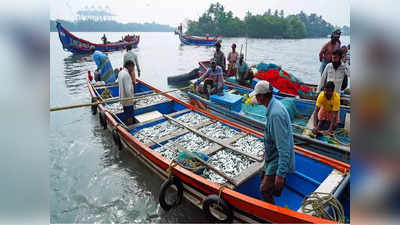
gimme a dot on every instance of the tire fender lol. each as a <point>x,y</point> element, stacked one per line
<point>226,208</point>
<point>102,119</point>
<point>164,187</point>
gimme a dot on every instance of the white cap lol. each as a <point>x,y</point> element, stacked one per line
<point>262,87</point>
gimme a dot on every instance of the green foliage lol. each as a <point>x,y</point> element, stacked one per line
<point>109,26</point>
<point>216,21</point>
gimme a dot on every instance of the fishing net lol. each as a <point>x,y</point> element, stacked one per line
<point>282,80</point>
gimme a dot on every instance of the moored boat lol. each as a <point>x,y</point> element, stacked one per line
<point>233,107</point>
<point>345,99</point>
<point>77,45</point>
<point>201,41</point>
<point>166,126</point>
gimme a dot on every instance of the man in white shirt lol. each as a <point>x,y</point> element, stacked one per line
<point>335,72</point>
<point>126,90</point>
<point>129,55</point>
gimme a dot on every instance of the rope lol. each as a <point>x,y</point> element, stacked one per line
<point>220,192</point>
<point>171,167</point>
<point>316,203</point>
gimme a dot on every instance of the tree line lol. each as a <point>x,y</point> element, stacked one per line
<point>110,26</point>
<point>215,21</point>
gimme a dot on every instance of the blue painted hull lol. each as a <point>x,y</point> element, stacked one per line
<point>189,40</point>
<point>257,122</point>
<point>79,46</point>
<point>311,170</point>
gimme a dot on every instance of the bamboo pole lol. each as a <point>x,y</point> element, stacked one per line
<point>112,100</point>
<point>214,140</point>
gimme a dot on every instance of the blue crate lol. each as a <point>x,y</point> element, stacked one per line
<point>232,101</point>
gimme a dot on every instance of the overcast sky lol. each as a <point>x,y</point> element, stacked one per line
<point>173,12</point>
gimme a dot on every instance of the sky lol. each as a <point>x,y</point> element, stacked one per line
<point>173,12</point>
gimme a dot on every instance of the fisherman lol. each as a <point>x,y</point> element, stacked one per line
<point>213,80</point>
<point>334,71</point>
<point>278,143</point>
<point>325,55</point>
<point>327,108</point>
<point>232,59</point>
<point>243,73</point>
<point>130,55</point>
<point>126,90</point>
<point>338,32</point>
<point>104,38</point>
<point>344,54</point>
<point>104,71</point>
<point>219,57</point>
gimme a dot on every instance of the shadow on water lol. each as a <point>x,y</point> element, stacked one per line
<point>75,70</point>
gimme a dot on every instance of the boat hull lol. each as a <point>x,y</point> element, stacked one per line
<point>196,188</point>
<point>189,40</point>
<point>79,46</point>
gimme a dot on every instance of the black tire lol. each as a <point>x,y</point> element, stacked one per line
<point>164,187</point>
<point>224,206</point>
<point>116,138</point>
<point>102,119</point>
<point>94,107</point>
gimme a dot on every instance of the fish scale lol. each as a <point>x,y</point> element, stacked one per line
<point>219,131</point>
<point>192,119</point>
<point>157,131</point>
<point>250,144</point>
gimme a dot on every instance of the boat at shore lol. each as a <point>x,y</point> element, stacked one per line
<point>77,45</point>
<point>228,188</point>
<point>200,41</point>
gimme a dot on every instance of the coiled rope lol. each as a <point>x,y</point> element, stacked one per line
<point>316,203</point>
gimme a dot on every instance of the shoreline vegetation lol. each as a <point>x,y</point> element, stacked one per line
<point>215,21</point>
<point>110,26</point>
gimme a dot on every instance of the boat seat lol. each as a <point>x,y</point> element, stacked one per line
<point>248,173</point>
<point>148,116</point>
<point>231,101</point>
<point>329,185</point>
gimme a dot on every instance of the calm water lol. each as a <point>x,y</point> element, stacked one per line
<point>90,180</point>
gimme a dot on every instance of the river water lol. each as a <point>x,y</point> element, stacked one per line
<point>90,180</point>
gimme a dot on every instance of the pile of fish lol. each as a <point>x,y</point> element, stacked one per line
<point>193,142</point>
<point>158,131</point>
<point>114,108</point>
<point>218,131</point>
<point>168,150</point>
<point>150,100</point>
<point>250,144</point>
<point>192,119</point>
<point>181,95</point>
<point>229,162</point>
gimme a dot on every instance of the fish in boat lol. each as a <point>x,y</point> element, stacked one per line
<point>228,189</point>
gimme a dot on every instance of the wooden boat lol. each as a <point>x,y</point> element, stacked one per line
<point>79,46</point>
<point>232,107</point>
<point>345,99</point>
<point>237,198</point>
<point>201,41</point>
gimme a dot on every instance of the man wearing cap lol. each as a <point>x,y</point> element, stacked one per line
<point>325,55</point>
<point>278,143</point>
<point>232,59</point>
<point>126,91</point>
<point>129,55</point>
<point>213,80</point>
<point>219,57</point>
<point>104,71</point>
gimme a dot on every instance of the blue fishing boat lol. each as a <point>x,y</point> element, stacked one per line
<point>233,107</point>
<point>201,41</point>
<point>227,189</point>
<point>79,46</point>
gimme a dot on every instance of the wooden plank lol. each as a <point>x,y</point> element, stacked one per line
<point>222,174</point>
<point>156,119</point>
<point>214,140</point>
<point>248,173</point>
<point>212,150</point>
<point>153,104</point>
<point>168,137</point>
<point>347,122</point>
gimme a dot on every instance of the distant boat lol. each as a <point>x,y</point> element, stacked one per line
<point>79,46</point>
<point>201,41</point>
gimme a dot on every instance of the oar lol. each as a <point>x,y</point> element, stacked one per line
<point>113,100</point>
